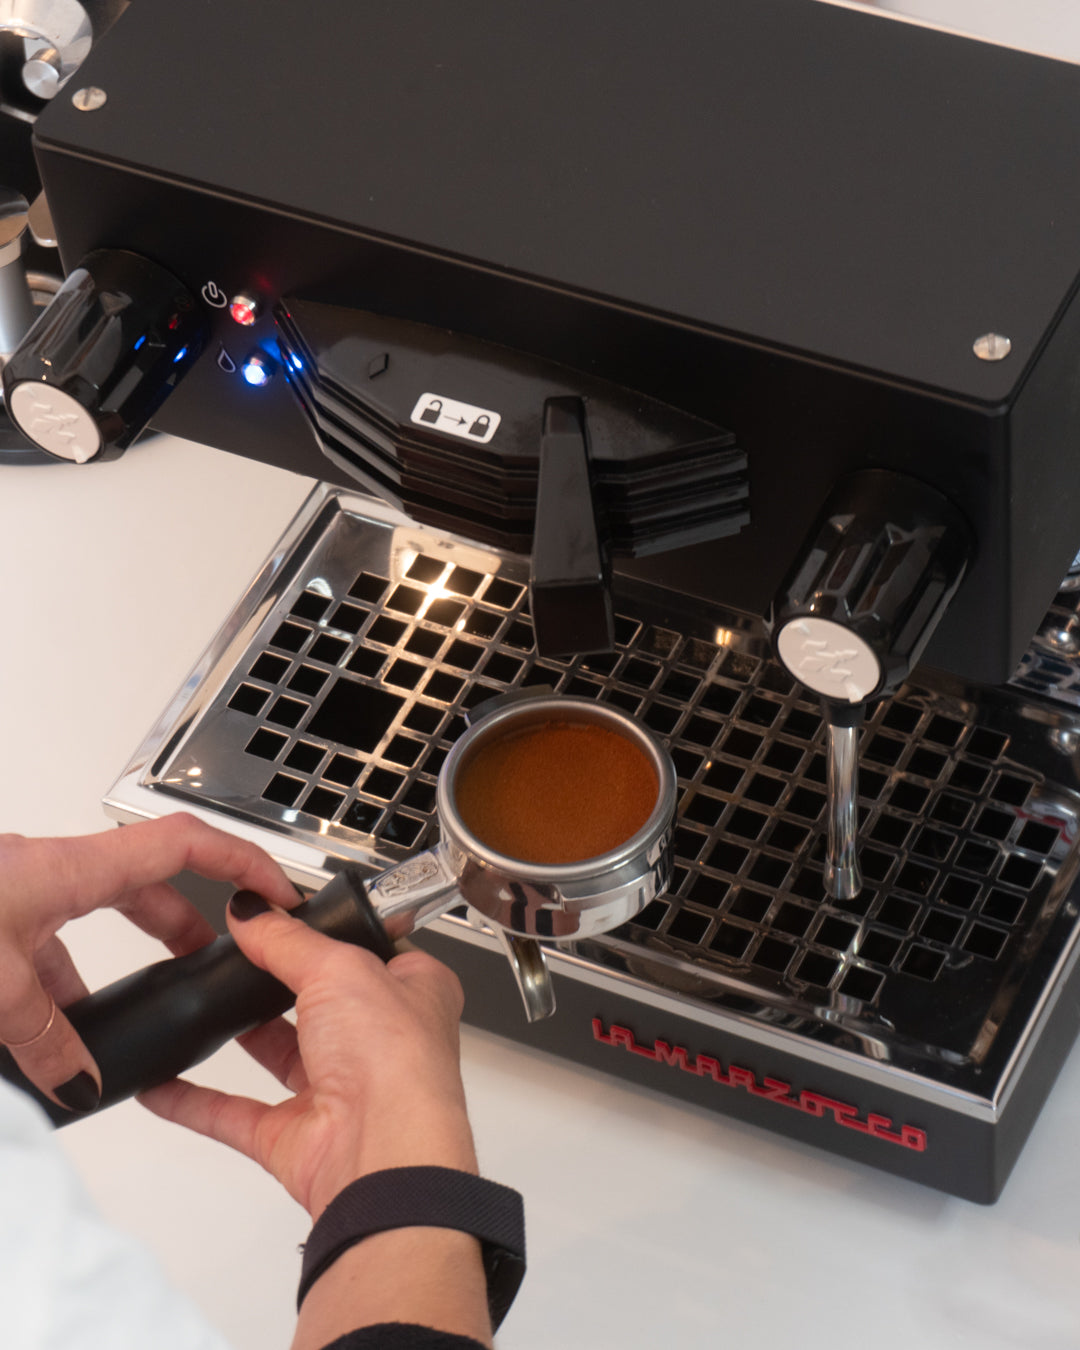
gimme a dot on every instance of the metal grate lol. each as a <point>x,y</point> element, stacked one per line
<point>337,716</point>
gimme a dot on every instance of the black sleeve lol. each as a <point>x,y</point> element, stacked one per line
<point>402,1336</point>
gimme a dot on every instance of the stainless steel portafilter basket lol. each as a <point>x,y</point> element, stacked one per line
<point>524,901</point>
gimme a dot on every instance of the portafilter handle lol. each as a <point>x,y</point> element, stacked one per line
<point>162,1020</point>
<point>158,1022</point>
<point>854,614</point>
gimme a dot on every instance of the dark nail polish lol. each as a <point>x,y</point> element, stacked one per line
<point>80,1093</point>
<point>247,904</point>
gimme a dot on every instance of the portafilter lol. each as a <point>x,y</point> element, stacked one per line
<point>160,1021</point>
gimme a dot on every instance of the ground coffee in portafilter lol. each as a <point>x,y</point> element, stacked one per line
<point>556,792</point>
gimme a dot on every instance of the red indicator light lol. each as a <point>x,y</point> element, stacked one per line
<point>243,310</point>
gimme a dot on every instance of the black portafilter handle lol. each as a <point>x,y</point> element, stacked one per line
<point>871,583</point>
<point>158,1022</point>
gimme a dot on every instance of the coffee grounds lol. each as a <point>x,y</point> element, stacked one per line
<point>559,792</point>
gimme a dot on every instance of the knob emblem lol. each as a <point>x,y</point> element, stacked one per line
<point>829,659</point>
<point>55,421</point>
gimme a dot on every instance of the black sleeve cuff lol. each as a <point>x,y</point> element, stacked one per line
<point>403,1336</point>
<point>426,1197</point>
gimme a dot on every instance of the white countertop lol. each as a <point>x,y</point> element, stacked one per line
<point>649,1222</point>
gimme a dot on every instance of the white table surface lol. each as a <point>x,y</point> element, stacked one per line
<point>650,1223</point>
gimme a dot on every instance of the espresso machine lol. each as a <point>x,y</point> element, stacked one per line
<point>717,364</point>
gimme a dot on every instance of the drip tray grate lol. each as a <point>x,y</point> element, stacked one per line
<point>326,709</point>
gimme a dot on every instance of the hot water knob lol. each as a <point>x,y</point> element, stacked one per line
<point>855,613</point>
<point>114,342</point>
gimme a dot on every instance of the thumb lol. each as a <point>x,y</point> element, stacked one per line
<point>286,947</point>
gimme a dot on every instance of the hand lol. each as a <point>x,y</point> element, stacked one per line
<point>373,1063</point>
<point>46,882</point>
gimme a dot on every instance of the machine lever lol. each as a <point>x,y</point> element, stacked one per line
<point>571,599</point>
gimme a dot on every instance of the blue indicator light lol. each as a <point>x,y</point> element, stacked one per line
<point>295,362</point>
<point>180,355</point>
<point>255,371</point>
<point>141,342</point>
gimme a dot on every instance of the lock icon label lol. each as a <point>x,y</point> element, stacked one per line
<point>446,416</point>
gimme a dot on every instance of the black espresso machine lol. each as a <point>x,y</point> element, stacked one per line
<point>719,361</point>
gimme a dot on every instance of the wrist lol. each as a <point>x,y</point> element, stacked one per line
<point>449,1219</point>
<point>420,1138</point>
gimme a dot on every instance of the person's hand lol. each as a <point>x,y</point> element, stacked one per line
<point>372,1063</point>
<point>46,882</point>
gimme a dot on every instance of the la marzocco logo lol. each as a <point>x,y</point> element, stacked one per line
<point>770,1089</point>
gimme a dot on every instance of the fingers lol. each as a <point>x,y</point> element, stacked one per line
<point>85,873</point>
<point>302,958</point>
<point>276,1047</point>
<point>290,950</point>
<point>58,974</point>
<point>163,913</point>
<point>45,1045</point>
<point>51,880</point>
<point>230,1120</point>
<point>416,969</point>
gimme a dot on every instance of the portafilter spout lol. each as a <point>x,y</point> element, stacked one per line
<point>160,1021</point>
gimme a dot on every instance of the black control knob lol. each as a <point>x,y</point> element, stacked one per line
<point>875,576</point>
<point>114,342</point>
<point>853,616</point>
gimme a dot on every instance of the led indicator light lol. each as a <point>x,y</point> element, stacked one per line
<point>256,370</point>
<point>180,355</point>
<point>141,342</point>
<point>243,310</point>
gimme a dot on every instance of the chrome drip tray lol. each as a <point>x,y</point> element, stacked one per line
<point>320,716</point>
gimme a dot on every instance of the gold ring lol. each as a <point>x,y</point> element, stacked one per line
<point>22,1045</point>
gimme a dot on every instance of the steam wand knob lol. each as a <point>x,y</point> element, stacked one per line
<point>855,613</point>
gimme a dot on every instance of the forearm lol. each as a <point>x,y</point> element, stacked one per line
<point>430,1276</point>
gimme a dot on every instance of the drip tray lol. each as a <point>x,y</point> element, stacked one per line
<point>917,1028</point>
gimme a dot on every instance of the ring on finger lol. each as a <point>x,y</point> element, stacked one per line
<point>23,1045</point>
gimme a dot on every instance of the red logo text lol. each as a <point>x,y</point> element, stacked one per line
<point>770,1089</point>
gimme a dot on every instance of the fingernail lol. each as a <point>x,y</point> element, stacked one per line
<point>80,1093</point>
<point>247,904</point>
